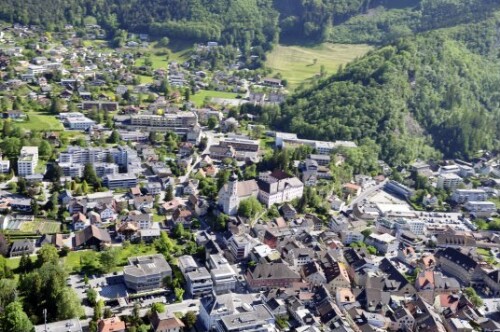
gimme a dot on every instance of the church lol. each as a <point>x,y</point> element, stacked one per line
<point>233,192</point>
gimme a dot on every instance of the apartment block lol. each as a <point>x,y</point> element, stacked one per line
<point>28,159</point>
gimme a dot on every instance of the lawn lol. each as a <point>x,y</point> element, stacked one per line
<point>40,122</point>
<point>13,263</point>
<point>73,262</point>
<point>299,64</point>
<point>42,226</point>
<point>145,79</point>
<point>200,96</point>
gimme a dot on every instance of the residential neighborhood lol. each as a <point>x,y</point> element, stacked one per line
<point>162,213</point>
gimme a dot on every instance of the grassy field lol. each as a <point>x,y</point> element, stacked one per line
<point>299,64</point>
<point>44,227</point>
<point>40,122</point>
<point>200,96</point>
<point>73,262</point>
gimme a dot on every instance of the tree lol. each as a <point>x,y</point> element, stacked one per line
<point>179,294</point>
<point>14,319</point>
<point>366,232</point>
<point>92,296</point>
<point>55,106</point>
<point>108,259</point>
<point>114,138</point>
<point>178,231</point>
<point>45,150</point>
<point>158,308</point>
<point>169,194</point>
<point>85,187</point>
<point>475,299</point>
<point>35,208</point>
<point>4,245</point>
<point>90,175</point>
<point>212,122</point>
<point>8,292</point>
<point>98,310</point>
<point>47,254</point>
<point>107,313</point>
<point>189,319</point>
<point>249,207</point>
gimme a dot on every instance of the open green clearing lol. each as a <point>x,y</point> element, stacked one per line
<point>297,64</point>
<point>88,260</point>
<point>40,122</point>
<point>42,226</point>
<point>200,96</point>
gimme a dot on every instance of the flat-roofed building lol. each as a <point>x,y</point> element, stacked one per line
<point>27,161</point>
<point>146,272</point>
<point>116,181</point>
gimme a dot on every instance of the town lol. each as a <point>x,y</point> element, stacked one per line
<point>130,203</point>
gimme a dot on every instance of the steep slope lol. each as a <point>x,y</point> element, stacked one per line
<point>429,81</point>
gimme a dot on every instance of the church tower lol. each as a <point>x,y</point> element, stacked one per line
<point>231,199</point>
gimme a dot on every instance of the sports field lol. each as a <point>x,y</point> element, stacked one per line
<point>299,64</point>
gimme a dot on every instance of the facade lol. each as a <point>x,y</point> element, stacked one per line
<point>146,272</point>
<point>460,266</point>
<point>92,155</point>
<point>278,187</point>
<point>223,275</point>
<point>462,196</point>
<point>269,276</point>
<point>385,243</point>
<point>199,282</point>
<point>22,247</point>
<point>4,165</point>
<point>480,208</point>
<point>28,159</point>
<point>124,180</point>
<point>240,246</point>
<point>448,181</point>
<point>177,121</point>
<point>80,123</point>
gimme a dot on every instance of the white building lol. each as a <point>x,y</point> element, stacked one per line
<point>448,181</point>
<point>349,237</point>
<point>199,282</point>
<point>278,187</point>
<point>462,196</point>
<point>385,243</point>
<point>27,161</point>
<point>78,123</point>
<point>4,165</point>
<point>480,209</point>
<point>223,275</point>
<point>116,181</point>
<point>146,272</point>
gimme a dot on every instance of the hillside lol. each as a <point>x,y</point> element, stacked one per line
<point>422,92</point>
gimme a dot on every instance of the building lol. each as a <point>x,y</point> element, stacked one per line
<point>240,245</point>
<point>278,187</point>
<point>398,188</point>
<point>213,308</point>
<point>223,275</point>
<point>146,272</point>
<point>179,122</point>
<point>268,276</point>
<point>80,123</point>
<point>28,159</point>
<point>322,147</point>
<point>385,243</point>
<point>166,322</point>
<point>91,155</point>
<point>4,165</point>
<point>480,209</point>
<point>100,105</point>
<point>125,180</point>
<point>349,237</point>
<point>112,324</point>
<point>462,196</point>
<point>448,181</point>
<point>459,265</point>
<point>92,236</point>
<point>199,282</point>
<point>241,144</point>
<point>234,192</point>
<point>22,247</point>
<point>255,319</point>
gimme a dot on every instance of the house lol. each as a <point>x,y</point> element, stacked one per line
<point>169,207</point>
<point>182,216</point>
<point>191,187</point>
<point>80,221</point>
<point>351,189</point>
<point>268,276</point>
<point>166,322</point>
<point>199,282</point>
<point>112,324</point>
<point>198,205</point>
<point>146,272</point>
<point>22,247</point>
<point>142,202</point>
<point>288,211</point>
<point>92,236</point>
